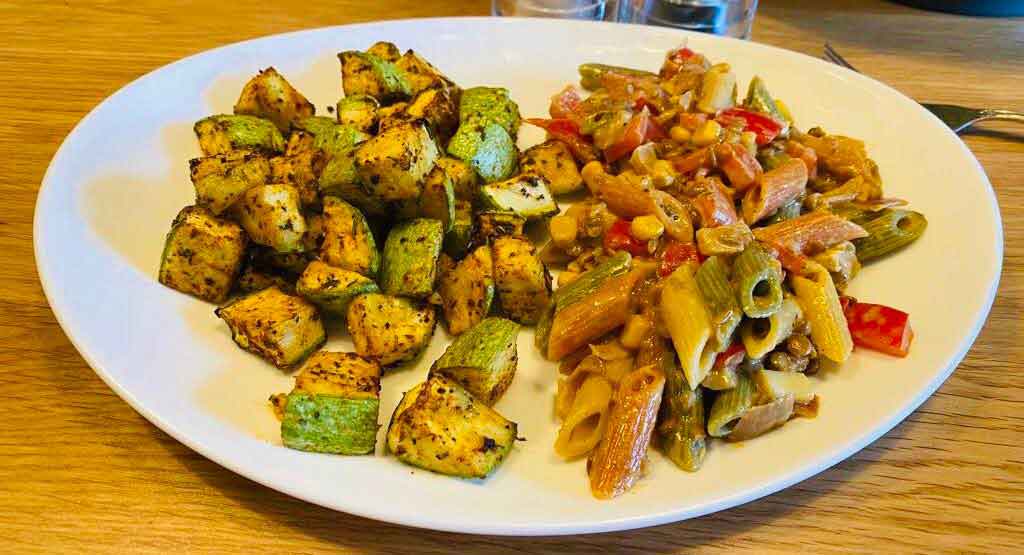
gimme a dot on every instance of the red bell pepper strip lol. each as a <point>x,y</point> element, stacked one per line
<point>568,132</point>
<point>675,255</point>
<point>618,238</point>
<point>640,129</point>
<point>880,328</point>
<point>764,126</point>
<point>728,357</point>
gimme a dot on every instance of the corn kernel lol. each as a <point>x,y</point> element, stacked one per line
<point>707,133</point>
<point>645,228</point>
<point>749,141</point>
<point>592,174</point>
<point>634,332</point>
<point>563,230</point>
<point>664,174</point>
<point>679,134</point>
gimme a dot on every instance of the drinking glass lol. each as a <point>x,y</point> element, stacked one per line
<point>721,17</point>
<point>563,9</point>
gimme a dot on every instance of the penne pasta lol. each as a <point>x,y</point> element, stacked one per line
<point>585,421</point>
<point>720,298</point>
<point>787,211</point>
<point>618,460</point>
<point>889,232</point>
<point>724,239</point>
<point>569,386</point>
<point>820,304</point>
<point>689,324</point>
<point>730,406</point>
<point>758,279</point>
<point>811,232</point>
<point>760,336</point>
<point>776,188</point>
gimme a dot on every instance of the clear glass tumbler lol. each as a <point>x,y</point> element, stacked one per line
<point>721,17</point>
<point>563,9</point>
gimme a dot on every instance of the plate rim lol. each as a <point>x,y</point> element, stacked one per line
<point>807,469</point>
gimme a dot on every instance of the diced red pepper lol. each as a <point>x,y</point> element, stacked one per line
<point>764,126</point>
<point>691,120</point>
<point>675,255</point>
<point>846,302</point>
<point>675,60</point>
<point>728,357</point>
<point>640,129</point>
<point>565,104</point>
<point>618,238</point>
<point>736,162</point>
<point>880,328</point>
<point>568,132</point>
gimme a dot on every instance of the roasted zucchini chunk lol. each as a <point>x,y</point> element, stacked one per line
<point>299,141</point>
<point>463,177</point>
<point>522,280</point>
<point>552,161</point>
<point>253,279</point>
<point>409,266</point>
<point>348,242</point>
<point>223,133</point>
<point>456,241</point>
<point>219,180</point>
<point>288,263</point>
<point>526,195</point>
<point>334,406</point>
<point>302,171</point>
<point>491,104</point>
<point>284,329</point>
<point>272,216</point>
<point>393,164</point>
<point>466,289</point>
<point>486,147</point>
<point>202,255</point>
<point>421,75</point>
<point>358,111</point>
<point>439,108</point>
<point>389,116</point>
<point>390,329</point>
<point>437,201</point>
<point>491,224</point>
<point>369,74</point>
<point>385,50</point>
<point>439,426</point>
<point>269,95</point>
<point>332,289</point>
<point>483,359</point>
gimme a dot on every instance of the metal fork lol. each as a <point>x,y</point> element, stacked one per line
<point>958,118</point>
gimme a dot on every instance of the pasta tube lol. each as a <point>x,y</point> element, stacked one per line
<point>586,419</point>
<point>724,239</point>
<point>681,418</point>
<point>758,279</point>
<point>812,231</point>
<point>760,336</point>
<point>617,462</point>
<point>686,317</point>
<point>890,232</point>
<point>820,304</point>
<point>788,211</point>
<point>730,406</point>
<point>777,188</point>
<point>720,298</point>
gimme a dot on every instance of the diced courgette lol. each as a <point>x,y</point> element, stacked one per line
<point>439,108</point>
<point>523,282</point>
<point>384,50</point>
<point>389,329</point>
<point>272,216</point>
<point>348,242</point>
<point>253,279</point>
<point>334,406</point>
<point>269,95</point>
<point>369,74</point>
<point>421,75</point>
<point>553,161</point>
<point>464,178</point>
<point>483,359</point>
<point>437,201</point>
<point>491,104</point>
<point>409,266</point>
<point>466,289</point>
<point>486,147</point>
<point>526,195</point>
<point>284,329</point>
<point>456,241</point>
<point>302,171</point>
<point>223,133</point>
<point>359,111</point>
<point>202,255</point>
<point>392,165</point>
<point>332,289</point>
<point>220,179</point>
<point>439,426</point>
<point>491,224</point>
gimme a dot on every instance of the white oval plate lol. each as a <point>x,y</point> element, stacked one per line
<point>121,176</point>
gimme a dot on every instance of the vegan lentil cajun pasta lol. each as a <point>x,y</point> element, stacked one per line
<point>706,264</point>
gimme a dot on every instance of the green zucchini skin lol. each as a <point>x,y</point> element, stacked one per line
<point>348,242</point>
<point>332,289</point>
<point>359,111</point>
<point>456,241</point>
<point>224,133</point>
<point>437,201</point>
<point>521,279</point>
<point>491,104</point>
<point>409,267</point>
<point>526,195</point>
<point>283,329</point>
<point>330,424</point>
<point>220,180</point>
<point>202,255</point>
<point>487,148</point>
<point>368,74</point>
<point>483,359</point>
<point>476,440</point>
<point>491,224</point>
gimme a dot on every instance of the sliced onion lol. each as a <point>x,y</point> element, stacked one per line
<point>674,215</point>
<point>763,418</point>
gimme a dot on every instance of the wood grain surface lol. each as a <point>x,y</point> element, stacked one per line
<point>81,472</point>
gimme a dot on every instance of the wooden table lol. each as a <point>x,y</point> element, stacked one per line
<point>80,471</point>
